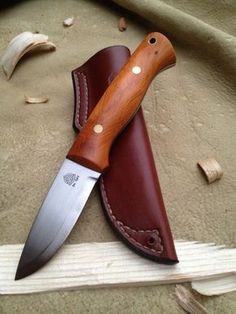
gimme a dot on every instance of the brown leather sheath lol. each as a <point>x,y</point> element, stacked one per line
<point>130,189</point>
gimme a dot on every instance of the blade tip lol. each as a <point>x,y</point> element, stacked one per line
<point>20,275</point>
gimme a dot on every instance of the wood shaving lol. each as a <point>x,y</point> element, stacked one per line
<point>122,25</point>
<point>19,46</point>
<point>211,168</point>
<point>187,301</point>
<point>36,100</point>
<point>68,22</point>
<point>215,286</point>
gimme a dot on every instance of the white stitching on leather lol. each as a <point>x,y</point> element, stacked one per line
<point>78,99</point>
<point>122,225</point>
<point>86,94</point>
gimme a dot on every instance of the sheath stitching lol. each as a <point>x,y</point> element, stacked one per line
<point>78,98</point>
<point>121,225</point>
<point>86,94</point>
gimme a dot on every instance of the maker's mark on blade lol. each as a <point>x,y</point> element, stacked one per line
<point>70,178</point>
<point>57,216</point>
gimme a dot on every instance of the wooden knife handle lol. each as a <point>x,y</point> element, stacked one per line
<point>120,102</point>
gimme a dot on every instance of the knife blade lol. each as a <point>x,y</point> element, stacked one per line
<point>88,157</point>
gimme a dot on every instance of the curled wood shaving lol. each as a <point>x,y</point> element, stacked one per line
<point>211,168</point>
<point>215,286</point>
<point>19,46</point>
<point>187,301</point>
<point>68,22</point>
<point>36,100</point>
<point>122,25</point>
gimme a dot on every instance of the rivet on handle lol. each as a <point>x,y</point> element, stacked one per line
<point>98,128</point>
<point>136,69</point>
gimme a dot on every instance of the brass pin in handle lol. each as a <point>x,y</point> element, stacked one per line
<point>120,102</point>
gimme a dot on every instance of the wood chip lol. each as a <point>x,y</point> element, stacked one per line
<point>36,100</point>
<point>122,25</point>
<point>68,22</point>
<point>187,301</point>
<point>211,168</point>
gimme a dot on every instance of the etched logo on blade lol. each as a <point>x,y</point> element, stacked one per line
<point>70,179</point>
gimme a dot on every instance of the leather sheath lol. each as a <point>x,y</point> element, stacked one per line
<point>130,190</point>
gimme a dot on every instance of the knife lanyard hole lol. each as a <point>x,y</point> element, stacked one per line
<point>152,41</point>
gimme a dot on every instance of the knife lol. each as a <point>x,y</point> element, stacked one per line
<point>88,157</point>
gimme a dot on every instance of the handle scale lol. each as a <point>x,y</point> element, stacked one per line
<point>120,102</point>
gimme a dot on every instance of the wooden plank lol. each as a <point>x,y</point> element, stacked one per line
<point>113,264</point>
